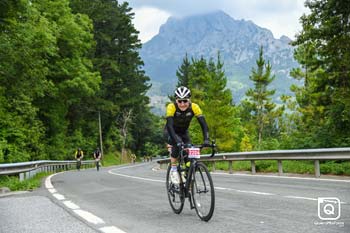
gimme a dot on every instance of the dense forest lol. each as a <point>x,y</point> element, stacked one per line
<point>65,64</point>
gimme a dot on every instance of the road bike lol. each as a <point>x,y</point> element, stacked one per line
<point>78,163</point>
<point>195,184</point>
<point>97,162</point>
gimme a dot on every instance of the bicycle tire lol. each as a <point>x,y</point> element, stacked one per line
<point>78,165</point>
<point>98,165</point>
<point>203,194</point>
<point>175,194</point>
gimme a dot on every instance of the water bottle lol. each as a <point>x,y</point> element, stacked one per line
<point>183,175</point>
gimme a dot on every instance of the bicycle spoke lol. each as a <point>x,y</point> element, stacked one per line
<point>175,195</point>
<point>203,192</point>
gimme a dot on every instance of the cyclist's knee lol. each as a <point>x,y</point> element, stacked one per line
<point>174,152</point>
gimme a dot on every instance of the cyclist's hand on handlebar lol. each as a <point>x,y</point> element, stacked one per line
<point>179,144</point>
<point>206,143</point>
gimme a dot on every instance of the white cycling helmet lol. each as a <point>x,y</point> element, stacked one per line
<point>182,93</point>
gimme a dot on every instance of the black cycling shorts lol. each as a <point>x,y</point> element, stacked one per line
<point>183,136</point>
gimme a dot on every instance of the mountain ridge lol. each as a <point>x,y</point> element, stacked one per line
<point>238,42</point>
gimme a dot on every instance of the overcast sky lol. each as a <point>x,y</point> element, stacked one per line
<point>279,16</point>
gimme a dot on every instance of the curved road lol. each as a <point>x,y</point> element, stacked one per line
<point>133,199</point>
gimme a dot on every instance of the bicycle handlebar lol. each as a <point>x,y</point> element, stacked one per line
<point>201,146</point>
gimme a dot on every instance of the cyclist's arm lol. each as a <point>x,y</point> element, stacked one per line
<point>170,111</point>
<point>204,127</point>
<point>198,113</point>
<point>171,130</point>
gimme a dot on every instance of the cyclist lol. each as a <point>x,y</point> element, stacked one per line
<point>97,157</point>
<point>79,155</point>
<point>179,115</point>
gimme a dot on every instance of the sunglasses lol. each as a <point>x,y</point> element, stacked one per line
<point>182,101</point>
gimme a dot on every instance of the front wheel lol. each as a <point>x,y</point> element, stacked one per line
<point>78,164</point>
<point>203,194</point>
<point>97,164</point>
<point>175,194</point>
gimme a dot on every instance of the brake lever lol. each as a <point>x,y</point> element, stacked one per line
<point>213,146</point>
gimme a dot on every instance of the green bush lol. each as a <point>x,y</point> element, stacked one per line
<point>14,184</point>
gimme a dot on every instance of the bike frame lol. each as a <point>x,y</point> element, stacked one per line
<point>190,171</point>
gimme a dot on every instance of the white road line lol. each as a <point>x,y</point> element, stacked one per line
<point>304,198</point>
<point>245,191</point>
<point>52,190</point>
<point>308,198</point>
<point>135,177</point>
<point>58,196</point>
<point>76,209</point>
<point>89,216</point>
<point>48,184</point>
<point>255,192</point>
<point>111,229</point>
<point>230,189</point>
<point>283,177</point>
<point>71,205</point>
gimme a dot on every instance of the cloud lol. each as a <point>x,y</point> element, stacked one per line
<point>281,17</point>
<point>148,20</point>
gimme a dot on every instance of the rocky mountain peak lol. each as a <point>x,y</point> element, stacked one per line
<point>238,42</point>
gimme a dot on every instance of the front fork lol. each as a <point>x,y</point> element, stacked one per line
<point>189,179</point>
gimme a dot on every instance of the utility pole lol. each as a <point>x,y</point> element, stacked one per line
<point>99,126</point>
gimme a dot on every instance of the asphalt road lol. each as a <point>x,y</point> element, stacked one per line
<point>133,199</point>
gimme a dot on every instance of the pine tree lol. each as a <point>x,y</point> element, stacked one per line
<point>323,50</point>
<point>259,98</point>
<point>183,73</point>
<point>207,82</point>
<point>124,83</point>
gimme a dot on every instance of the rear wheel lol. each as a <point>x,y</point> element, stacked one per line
<point>78,164</point>
<point>98,165</point>
<point>175,194</point>
<point>203,194</point>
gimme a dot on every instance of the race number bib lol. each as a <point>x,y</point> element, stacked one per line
<point>194,153</point>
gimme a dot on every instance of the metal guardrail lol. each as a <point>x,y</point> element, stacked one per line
<point>26,170</point>
<point>316,155</point>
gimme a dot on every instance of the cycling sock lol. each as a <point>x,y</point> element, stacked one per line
<point>173,167</point>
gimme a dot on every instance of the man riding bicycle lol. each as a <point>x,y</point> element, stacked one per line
<point>179,115</point>
<point>79,155</point>
<point>97,157</point>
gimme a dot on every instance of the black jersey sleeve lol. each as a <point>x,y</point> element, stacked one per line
<point>171,130</point>
<point>204,127</point>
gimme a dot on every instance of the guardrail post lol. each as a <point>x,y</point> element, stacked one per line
<point>230,166</point>
<point>213,168</point>
<point>27,175</point>
<point>252,162</point>
<point>280,168</point>
<point>317,168</point>
<point>21,176</point>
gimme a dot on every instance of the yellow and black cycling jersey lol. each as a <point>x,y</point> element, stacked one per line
<point>79,154</point>
<point>182,119</point>
<point>178,122</point>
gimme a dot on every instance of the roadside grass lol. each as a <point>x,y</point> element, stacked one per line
<point>289,166</point>
<point>110,159</point>
<point>14,184</point>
